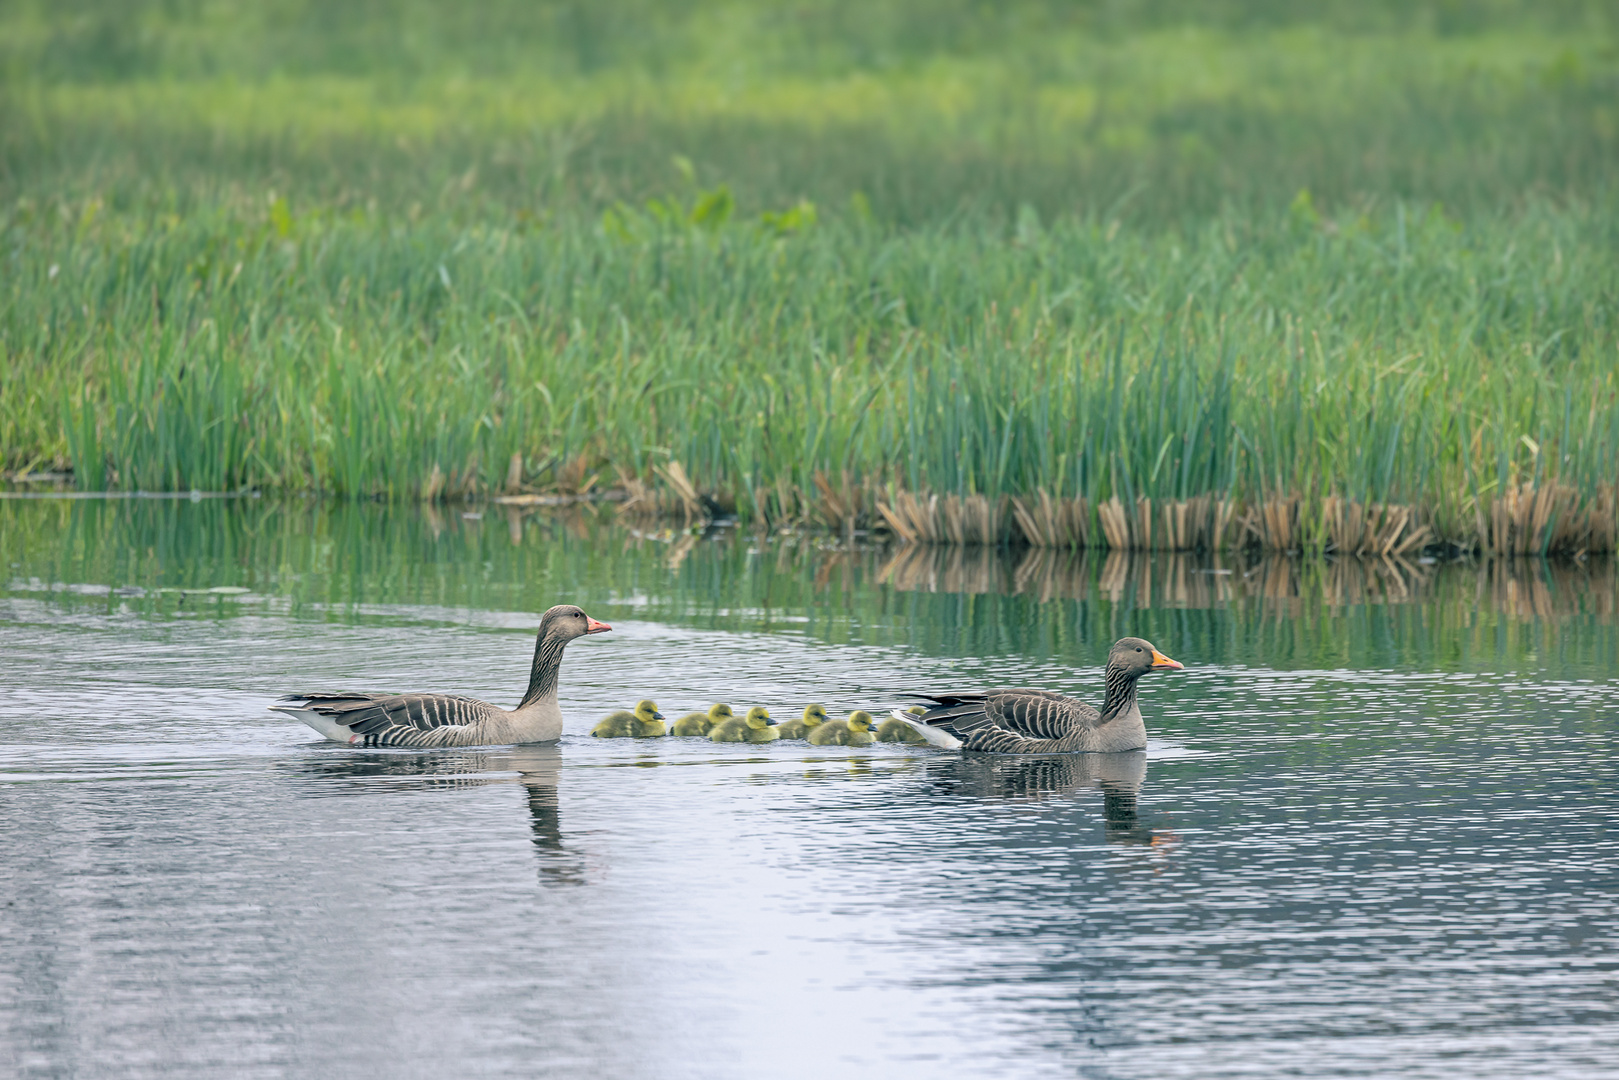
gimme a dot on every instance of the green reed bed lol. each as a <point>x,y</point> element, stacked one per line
<point>1173,280</point>
<point>344,354</point>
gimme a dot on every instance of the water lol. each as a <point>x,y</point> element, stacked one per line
<point>1374,834</point>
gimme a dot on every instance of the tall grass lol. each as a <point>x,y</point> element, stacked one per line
<point>817,263</point>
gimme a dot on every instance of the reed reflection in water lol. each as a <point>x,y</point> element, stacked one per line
<point>1520,588</point>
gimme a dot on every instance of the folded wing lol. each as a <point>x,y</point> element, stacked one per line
<point>391,719</point>
<point>1011,721</point>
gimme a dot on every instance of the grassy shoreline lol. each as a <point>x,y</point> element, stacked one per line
<point>817,374</point>
<point>1145,285</point>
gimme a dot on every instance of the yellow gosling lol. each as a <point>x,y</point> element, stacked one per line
<point>895,730</point>
<point>702,723</point>
<point>646,722</point>
<point>756,727</point>
<point>814,716</point>
<point>855,731</point>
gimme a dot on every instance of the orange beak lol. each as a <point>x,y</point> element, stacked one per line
<point>594,627</point>
<point>1160,660</point>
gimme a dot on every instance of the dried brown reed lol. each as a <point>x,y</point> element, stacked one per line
<point>1274,523</point>
<point>1199,523</point>
<point>1526,519</point>
<point>1531,519</point>
<point>842,508</point>
<point>1053,523</point>
<point>1355,528</point>
<point>677,495</point>
<point>948,519</point>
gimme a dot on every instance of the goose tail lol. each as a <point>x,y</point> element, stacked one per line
<point>935,736</point>
<point>338,733</point>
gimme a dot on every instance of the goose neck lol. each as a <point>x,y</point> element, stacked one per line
<point>542,678</point>
<point>1121,692</point>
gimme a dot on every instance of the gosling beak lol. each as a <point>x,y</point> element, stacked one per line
<point>594,627</point>
<point>657,716</point>
<point>1159,660</point>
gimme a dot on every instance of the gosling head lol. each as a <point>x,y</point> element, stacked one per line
<point>758,718</point>
<point>1135,657</point>
<point>814,715</point>
<point>720,711</point>
<point>564,622</point>
<point>647,710</point>
<point>860,720</point>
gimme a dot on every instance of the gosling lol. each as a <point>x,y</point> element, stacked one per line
<point>702,723</point>
<point>896,730</point>
<point>756,727</point>
<point>646,722</point>
<point>855,731</point>
<point>814,716</point>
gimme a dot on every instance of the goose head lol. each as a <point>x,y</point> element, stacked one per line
<point>720,711</point>
<point>1134,657</point>
<point>566,622</point>
<point>646,710</point>
<point>860,720</point>
<point>814,715</point>
<point>758,718</point>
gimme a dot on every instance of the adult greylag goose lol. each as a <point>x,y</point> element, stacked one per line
<point>427,720</point>
<point>1042,722</point>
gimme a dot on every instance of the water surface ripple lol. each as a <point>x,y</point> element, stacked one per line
<point>1367,840</point>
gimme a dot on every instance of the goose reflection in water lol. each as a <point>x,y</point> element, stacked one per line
<point>1117,776</point>
<point>533,768</point>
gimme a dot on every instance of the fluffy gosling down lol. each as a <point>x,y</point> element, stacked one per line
<point>855,731</point>
<point>813,717</point>
<point>756,727</point>
<point>646,722</point>
<point>894,729</point>
<point>701,723</point>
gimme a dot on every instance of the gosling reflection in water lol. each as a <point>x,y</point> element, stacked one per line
<point>1117,776</point>
<point>536,768</point>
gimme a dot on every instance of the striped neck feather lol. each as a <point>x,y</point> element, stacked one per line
<point>1121,692</point>
<point>542,678</point>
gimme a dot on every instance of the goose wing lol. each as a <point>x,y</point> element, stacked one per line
<point>396,719</point>
<point>1010,721</point>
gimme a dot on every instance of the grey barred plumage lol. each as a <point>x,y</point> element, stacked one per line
<point>434,720</point>
<point>1044,722</point>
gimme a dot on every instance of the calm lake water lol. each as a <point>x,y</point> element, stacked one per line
<point>1375,833</point>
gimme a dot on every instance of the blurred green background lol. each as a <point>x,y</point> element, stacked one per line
<point>928,110</point>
